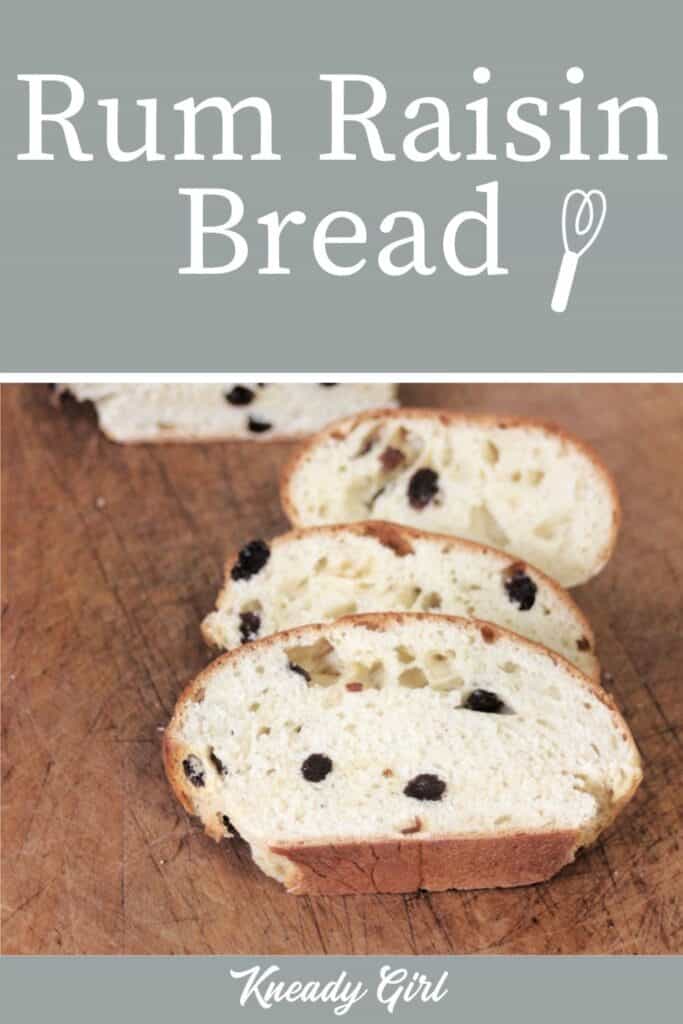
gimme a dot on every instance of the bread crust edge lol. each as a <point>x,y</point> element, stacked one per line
<point>408,865</point>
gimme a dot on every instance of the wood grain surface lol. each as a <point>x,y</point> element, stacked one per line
<point>111,557</point>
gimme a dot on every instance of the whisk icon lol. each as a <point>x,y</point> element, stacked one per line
<point>583,214</point>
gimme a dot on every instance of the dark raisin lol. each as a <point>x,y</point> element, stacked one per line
<point>423,485</point>
<point>316,767</point>
<point>329,385</point>
<point>583,644</point>
<point>521,589</point>
<point>239,395</point>
<point>258,426</point>
<point>250,560</point>
<point>484,700</point>
<point>228,826</point>
<point>300,671</point>
<point>425,787</point>
<point>217,763</point>
<point>391,458</point>
<point>250,623</point>
<point>194,770</point>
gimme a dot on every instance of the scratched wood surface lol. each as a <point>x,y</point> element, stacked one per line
<point>112,555</point>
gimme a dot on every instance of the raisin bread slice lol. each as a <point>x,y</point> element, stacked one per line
<point>325,572</point>
<point>207,412</point>
<point>391,752</point>
<point>516,484</point>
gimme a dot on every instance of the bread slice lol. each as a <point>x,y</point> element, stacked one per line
<point>209,412</point>
<point>391,752</point>
<point>325,572</point>
<point>516,484</point>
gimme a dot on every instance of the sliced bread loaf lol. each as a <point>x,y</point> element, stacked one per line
<point>325,572</point>
<point>205,412</point>
<point>516,484</point>
<point>391,752</point>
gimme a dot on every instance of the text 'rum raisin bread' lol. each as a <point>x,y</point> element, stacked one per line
<point>391,752</point>
<point>520,485</point>
<point>207,412</point>
<point>325,572</point>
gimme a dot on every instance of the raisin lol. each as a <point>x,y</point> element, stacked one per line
<point>368,444</point>
<point>329,385</point>
<point>521,589</point>
<point>391,458</point>
<point>239,395</point>
<point>425,787</point>
<point>217,763</point>
<point>583,644</point>
<point>258,426</point>
<point>250,623</point>
<point>409,830</point>
<point>194,770</point>
<point>316,767</point>
<point>229,827</point>
<point>423,485</point>
<point>484,700</point>
<point>300,671</point>
<point>488,634</point>
<point>250,560</point>
<point>354,687</point>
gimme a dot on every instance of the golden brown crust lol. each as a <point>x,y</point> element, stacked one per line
<point>341,428</point>
<point>402,865</point>
<point>399,538</point>
<point>405,865</point>
<point>172,755</point>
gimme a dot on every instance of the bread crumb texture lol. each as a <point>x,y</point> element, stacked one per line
<point>520,486</point>
<point>196,412</point>
<point>366,732</point>
<point>323,573</point>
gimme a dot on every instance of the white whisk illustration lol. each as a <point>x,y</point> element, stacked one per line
<point>579,225</point>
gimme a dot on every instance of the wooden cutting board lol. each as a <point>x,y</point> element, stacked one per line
<point>111,557</point>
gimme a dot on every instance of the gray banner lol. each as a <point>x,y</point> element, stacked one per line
<point>90,251</point>
<point>178,990</point>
